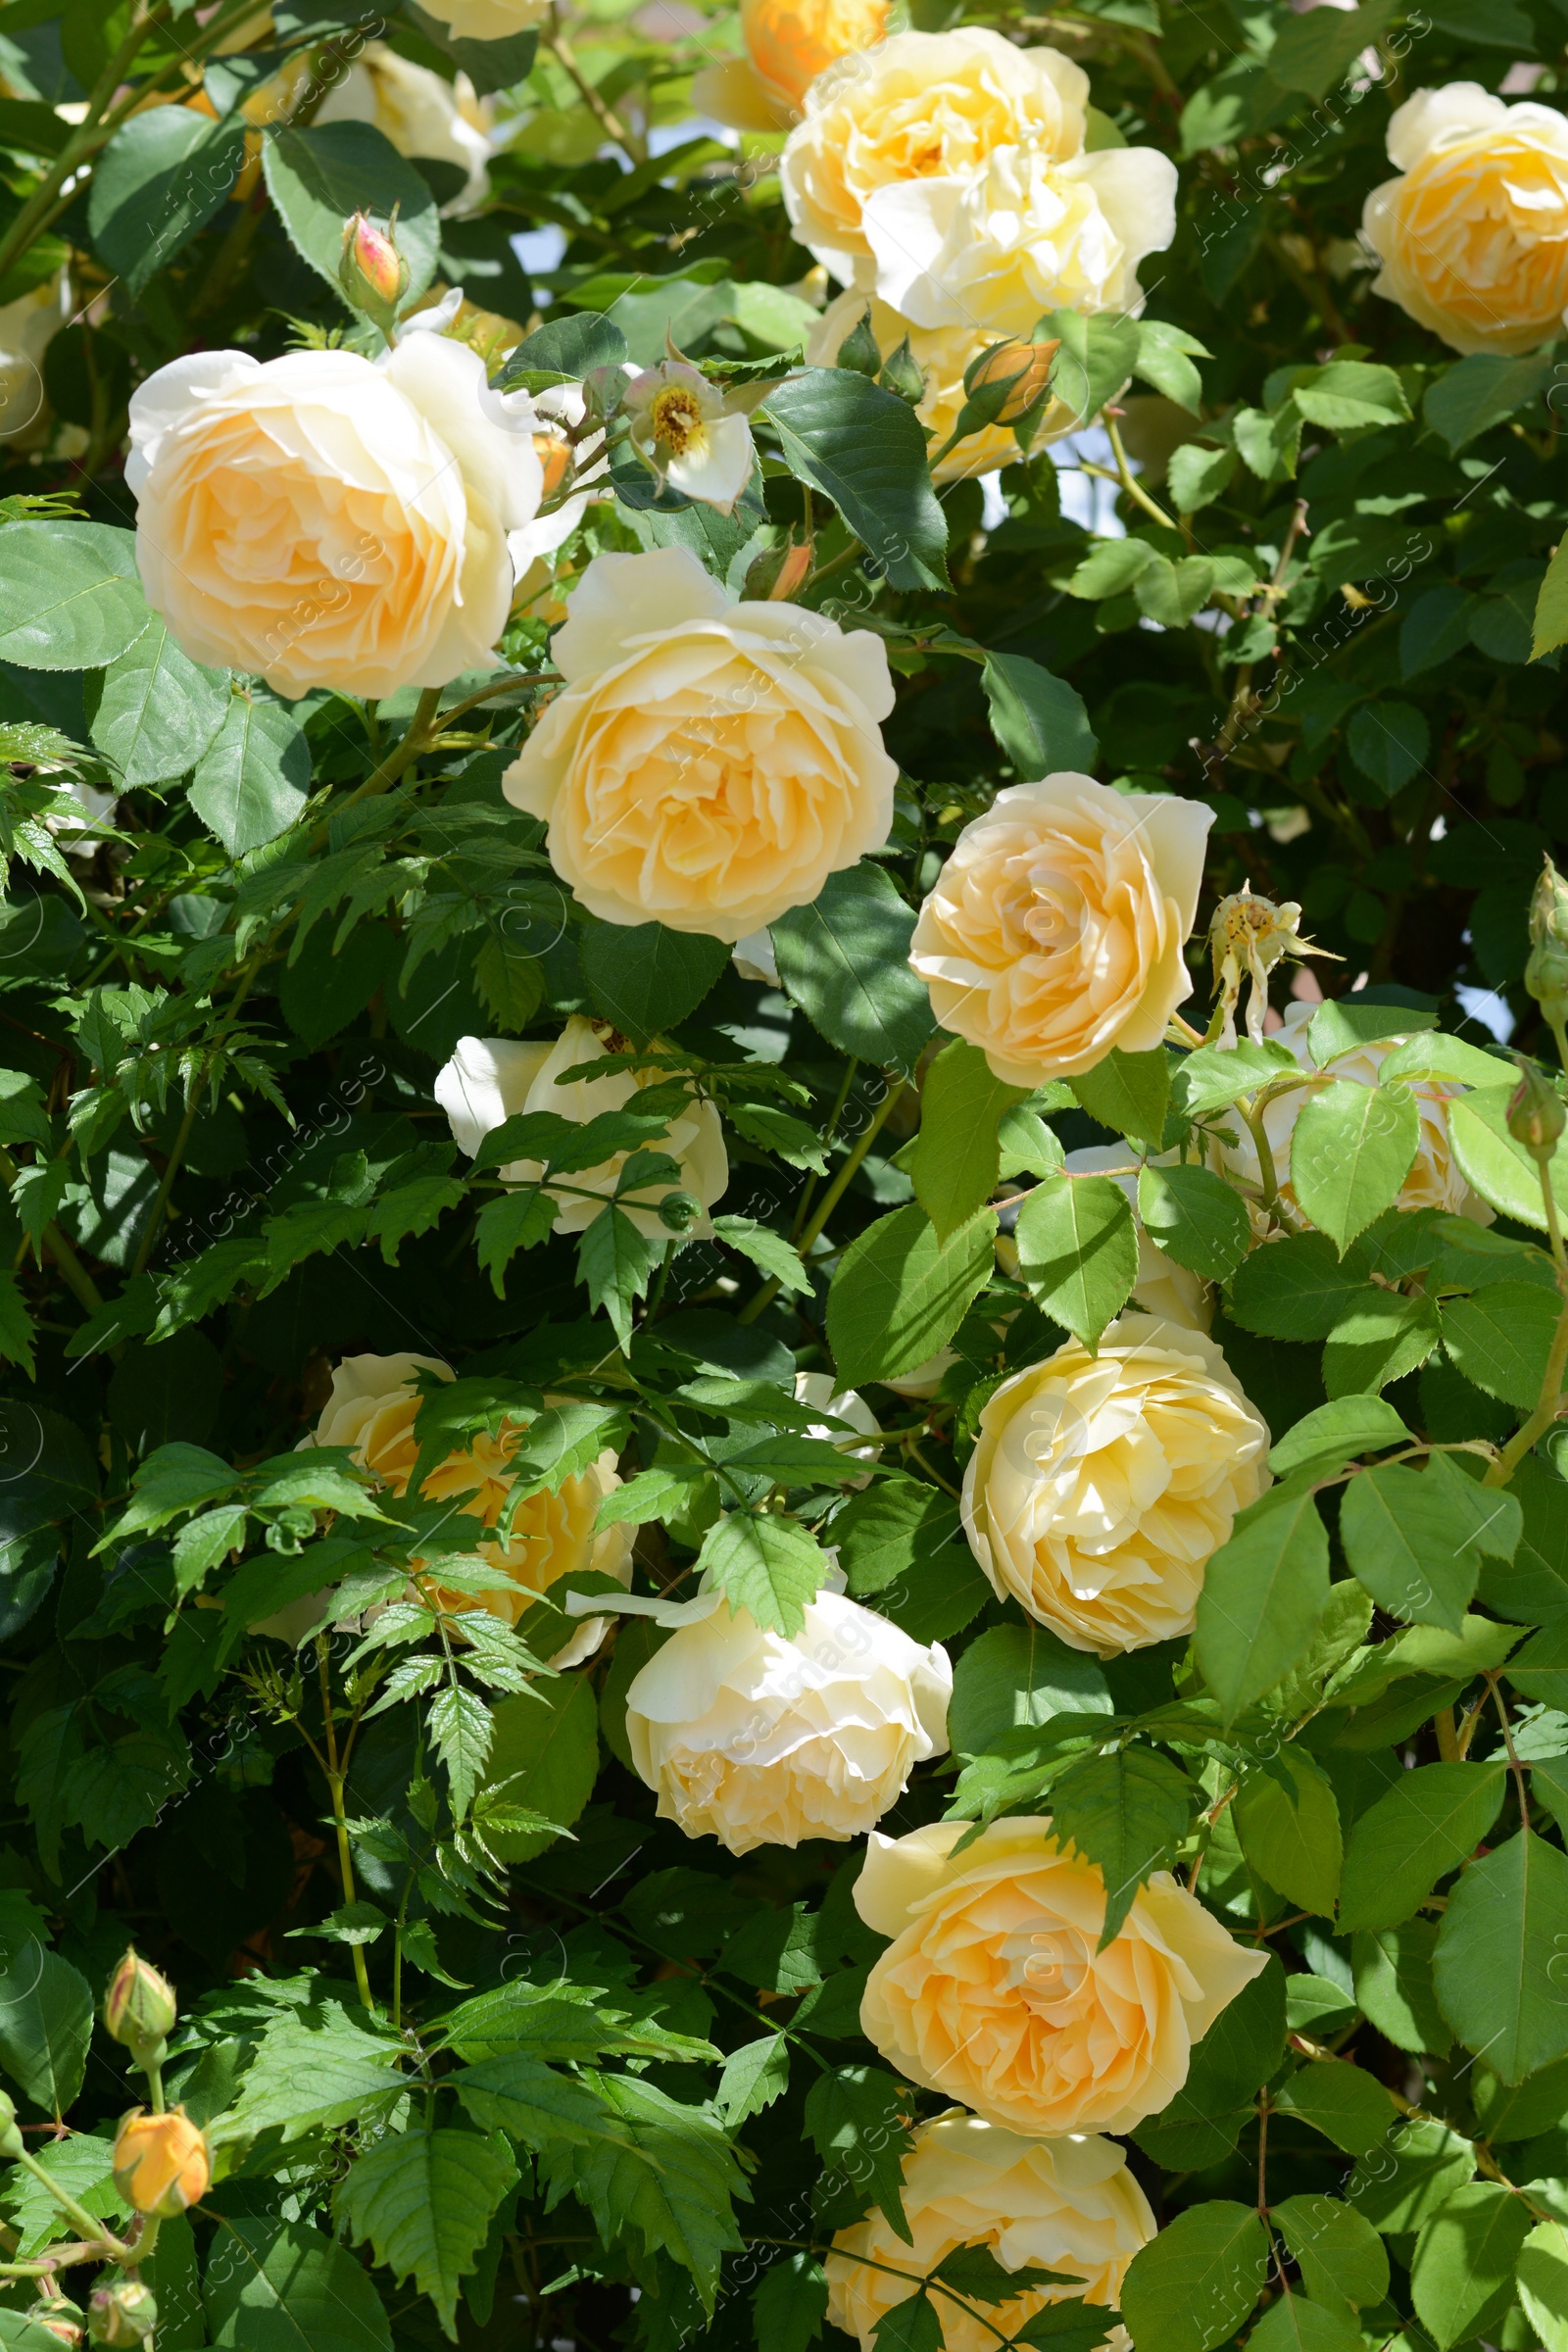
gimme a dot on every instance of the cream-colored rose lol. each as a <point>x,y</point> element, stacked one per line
<point>708,764</point>
<point>1054,931</point>
<point>788,43</point>
<point>1171,1292</point>
<point>1473,237</point>
<point>330,522</point>
<point>1102,1485</point>
<point>1068,2205</point>
<point>420,113</point>
<point>490,1079</point>
<point>27,328</point>
<point>1025,233</point>
<point>923,106</point>
<point>994,1991</point>
<point>488,20</point>
<point>1435,1179</point>
<point>821,1392</point>
<point>941,354</point>
<point>759,1741</point>
<point>372,1410</point>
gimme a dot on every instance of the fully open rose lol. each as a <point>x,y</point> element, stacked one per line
<point>1102,1485</point>
<point>994,1991</point>
<point>1068,2205</point>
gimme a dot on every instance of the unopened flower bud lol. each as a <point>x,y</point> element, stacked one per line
<point>140,2010</point>
<point>1010,380</point>
<point>858,349</point>
<point>61,2319</point>
<point>1547,972</point>
<point>374,274</point>
<point>1537,1113</point>
<point>679,1211</point>
<point>902,374</point>
<point>124,2315</point>
<point>161,2163</point>
<point>12,2143</point>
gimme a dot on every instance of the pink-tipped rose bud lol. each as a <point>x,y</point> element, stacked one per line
<point>373,273</point>
<point>140,2009</point>
<point>124,2315</point>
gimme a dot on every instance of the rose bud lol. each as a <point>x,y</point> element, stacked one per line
<point>140,2010</point>
<point>123,2315</point>
<point>1537,1114</point>
<point>60,2319</point>
<point>161,2163</point>
<point>372,272</point>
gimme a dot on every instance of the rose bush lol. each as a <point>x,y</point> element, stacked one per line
<point>781,1457</point>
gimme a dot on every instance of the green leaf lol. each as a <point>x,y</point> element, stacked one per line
<point>83,2166</point>
<point>975,2272</point>
<point>1462,2276</point>
<point>1078,1251</point>
<point>1344,1025</point>
<point>1551,607</point>
<point>614,1260</point>
<point>316,2068</point>
<point>1016,1675</point>
<point>883,1533</point>
<point>844,960</point>
<point>1348,394</point>
<point>283,2286</point>
<point>1339,2254</point>
<point>45,2026</point>
<point>253,780</point>
<point>1540,1669</point>
<point>1468,399</point>
<point>911,2324</point>
<point>159,710</point>
<point>1097,356</point>
<point>1291,1836</point>
<point>69,594</point>
<point>900,1293</point>
<point>1039,720</point>
<point>1541,2276</point>
<point>1294,2324</point>
<point>1348,2106</point>
<point>318,176</point>
<point>546,1752</point>
<point>161,178</point>
<point>770,1565</point>
<point>1415,1539</point>
<point>1263,1595</point>
<point>1312,57</point>
<point>1389,743</point>
<point>1296,1289</point>
<point>1197,1218</point>
<point>646,979</point>
<point>490,65</point>
<point>1429,1821</point>
<point>16,1325</point>
<point>1379,1337</point>
<point>1351,1151</point>
<point>1129,1092</point>
<point>957,1157</point>
<point>753,2077</point>
<point>790,2304</point>
<point>661,2171</point>
<point>423,2199</point>
<point>1393,1984</point>
<point>1215,1075</point>
<point>1165,355</point>
<point>1240,2050</point>
<point>1500,1339</point>
<point>1127,1813</point>
<point>858,2118</point>
<point>1335,1434</point>
<point>1430,2163</point>
<point>765,1249</point>
<point>1499,1956</point>
<point>1490,1160</point>
<point>1194,2284</point>
<point>518,1220</point>
<point>865,449</point>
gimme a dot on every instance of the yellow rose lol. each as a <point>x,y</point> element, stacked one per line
<point>161,2163</point>
<point>923,106</point>
<point>941,354</point>
<point>372,1410</point>
<point>490,1078</point>
<point>1102,1485</point>
<point>488,20</point>
<point>788,43</point>
<point>330,522</point>
<point>759,1741</point>
<point>1054,931</point>
<point>1474,237</point>
<point>708,764</point>
<point>994,1991</point>
<point>1434,1181</point>
<point>420,113</point>
<point>1068,2205</point>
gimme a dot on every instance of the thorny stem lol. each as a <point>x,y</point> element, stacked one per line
<point>1514,1765</point>
<point>334,1782</point>
<point>92,2231</point>
<point>1128,479</point>
<point>403,755</point>
<point>830,1199</point>
<point>565,57</point>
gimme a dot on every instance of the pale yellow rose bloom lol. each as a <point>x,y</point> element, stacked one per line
<point>994,1990</point>
<point>490,1079</point>
<point>923,106</point>
<point>1068,2205</point>
<point>1102,1485</point>
<point>708,764</point>
<point>372,1410</point>
<point>1435,1179</point>
<point>757,1740</point>
<point>788,43</point>
<point>1473,237</point>
<point>419,112</point>
<point>1055,929</point>
<point>329,523</point>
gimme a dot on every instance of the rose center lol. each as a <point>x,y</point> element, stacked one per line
<point>677,419</point>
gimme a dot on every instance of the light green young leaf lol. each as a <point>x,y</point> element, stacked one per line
<point>422,2199</point>
<point>1078,1251</point>
<point>1351,1151</point>
<point>899,1293</point>
<point>957,1156</point>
